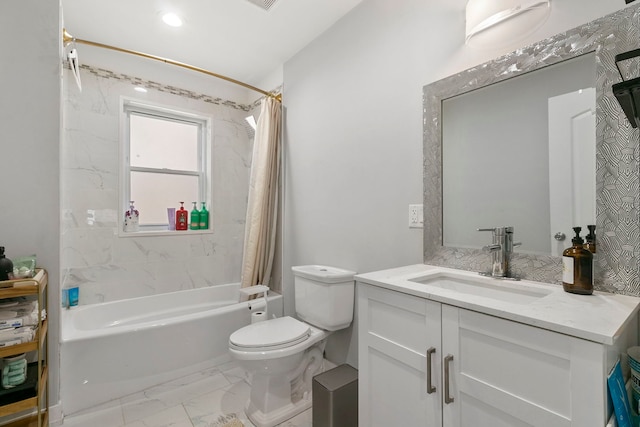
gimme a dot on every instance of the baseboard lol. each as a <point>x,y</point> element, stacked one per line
<point>55,415</point>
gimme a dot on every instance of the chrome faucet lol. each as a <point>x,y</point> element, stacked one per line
<point>501,250</point>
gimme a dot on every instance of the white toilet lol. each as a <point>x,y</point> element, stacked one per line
<point>282,355</point>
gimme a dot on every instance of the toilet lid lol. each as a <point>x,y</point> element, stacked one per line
<point>270,333</point>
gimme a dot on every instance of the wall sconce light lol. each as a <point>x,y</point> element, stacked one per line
<point>522,15</point>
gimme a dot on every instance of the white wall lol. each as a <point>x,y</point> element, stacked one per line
<point>353,130</point>
<point>30,73</point>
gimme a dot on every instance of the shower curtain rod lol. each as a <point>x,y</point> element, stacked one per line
<point>68,38</point>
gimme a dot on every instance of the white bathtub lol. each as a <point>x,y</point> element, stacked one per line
<point>113,349</point>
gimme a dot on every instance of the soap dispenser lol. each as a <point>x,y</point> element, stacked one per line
<point>590,238</point>
<point>577,267</point>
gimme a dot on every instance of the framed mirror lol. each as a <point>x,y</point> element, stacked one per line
<point>521,153</point>
<point>481,185</point>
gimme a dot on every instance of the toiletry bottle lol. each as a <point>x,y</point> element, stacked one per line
<point>590,245</point>
<point>6,266</point>
<point>590,238</point>
<point>182,222</point>
<point>131,218</point>
<point>204,218</point>
<point>577,267</point>
<point>195,218</point>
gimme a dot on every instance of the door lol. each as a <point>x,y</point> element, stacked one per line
<point>398,335</point>
<point>572,164</point>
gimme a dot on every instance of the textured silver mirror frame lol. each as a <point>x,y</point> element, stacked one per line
<point>617,145</point>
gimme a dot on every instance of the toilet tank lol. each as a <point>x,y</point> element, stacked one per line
<point>324,296</point>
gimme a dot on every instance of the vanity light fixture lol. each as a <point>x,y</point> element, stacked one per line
<point>172,19</point>
<point>483,15</point>
<point>140,89</point>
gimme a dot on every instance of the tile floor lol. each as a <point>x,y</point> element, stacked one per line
<point>210,398</point>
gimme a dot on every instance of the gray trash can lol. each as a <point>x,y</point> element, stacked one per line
<point>335,398</point>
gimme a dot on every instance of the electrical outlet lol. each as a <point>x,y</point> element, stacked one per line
<point>416,216</point>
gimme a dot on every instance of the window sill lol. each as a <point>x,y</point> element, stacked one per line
<point>151,233</point>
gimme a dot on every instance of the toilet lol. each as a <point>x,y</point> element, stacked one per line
<point>282,355</point>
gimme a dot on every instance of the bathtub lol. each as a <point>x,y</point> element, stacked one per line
<point>113,349</point>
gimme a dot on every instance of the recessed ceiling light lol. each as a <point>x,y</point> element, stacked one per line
<point>172,19</point>
<point>140,89</point>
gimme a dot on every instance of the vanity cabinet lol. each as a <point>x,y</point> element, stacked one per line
<point>425,363</point>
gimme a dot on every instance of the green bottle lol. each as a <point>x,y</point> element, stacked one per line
<point>204,218</point>
<point>195,218</point>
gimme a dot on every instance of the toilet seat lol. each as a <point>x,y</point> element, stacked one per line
<point>271,334</point>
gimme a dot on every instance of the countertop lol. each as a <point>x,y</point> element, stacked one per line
<point>600,317</point>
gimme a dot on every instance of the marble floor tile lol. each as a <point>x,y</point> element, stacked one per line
<point>210,398</point>
<point>167,395</point>
<point>213,407</point>
<point>172,417</point>
<point>234,373</point>
<point>108,415</point>
<point>303,419</point>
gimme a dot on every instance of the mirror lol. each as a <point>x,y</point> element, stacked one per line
<point>616,166</point>
<point>521,153</point>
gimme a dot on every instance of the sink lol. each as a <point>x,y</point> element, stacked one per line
<point>512,292</point>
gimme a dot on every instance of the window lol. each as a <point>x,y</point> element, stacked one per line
<point>165,161</point>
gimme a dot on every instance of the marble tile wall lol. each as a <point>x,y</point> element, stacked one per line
<point>107,267</point>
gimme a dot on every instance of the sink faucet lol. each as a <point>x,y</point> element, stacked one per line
<point>501,250</point>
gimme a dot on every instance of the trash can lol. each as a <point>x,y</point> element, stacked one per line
<point>335,398</point>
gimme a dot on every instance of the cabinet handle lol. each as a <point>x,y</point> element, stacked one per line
<point>447,398</point>
<point>430,388</point>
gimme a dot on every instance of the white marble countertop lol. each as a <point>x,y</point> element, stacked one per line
<point>599,317</point>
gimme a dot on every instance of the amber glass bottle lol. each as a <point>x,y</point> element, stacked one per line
<point>590,245</point>
<point>577,267</point>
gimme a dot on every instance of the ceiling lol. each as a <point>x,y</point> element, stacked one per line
<point>235,38</point>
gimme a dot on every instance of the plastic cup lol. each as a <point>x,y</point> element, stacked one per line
<point>171,214</point>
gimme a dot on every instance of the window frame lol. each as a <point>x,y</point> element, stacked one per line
<point>129,106</point>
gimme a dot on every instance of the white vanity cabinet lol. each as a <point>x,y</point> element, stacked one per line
<point>425,363</point>
<point>394,333</point>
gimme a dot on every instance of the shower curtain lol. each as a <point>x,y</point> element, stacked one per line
<point>262,208</point>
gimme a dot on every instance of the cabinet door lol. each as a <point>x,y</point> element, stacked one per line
<point>505,373</point>
<point>395,333</point>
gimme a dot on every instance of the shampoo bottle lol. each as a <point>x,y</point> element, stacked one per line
<point>204,218</point>
<point>195,218</point>
<point>182,221</point>
<point>577,267</point>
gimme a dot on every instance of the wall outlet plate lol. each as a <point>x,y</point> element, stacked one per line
<point>416,216</point>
